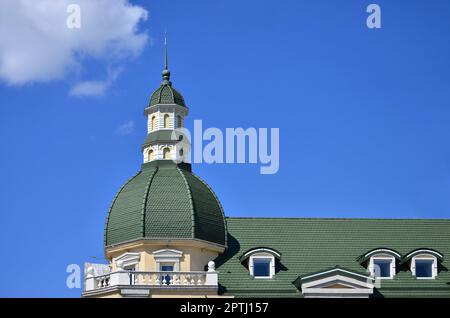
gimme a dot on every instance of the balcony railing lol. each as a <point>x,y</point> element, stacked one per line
<point>152,279</point>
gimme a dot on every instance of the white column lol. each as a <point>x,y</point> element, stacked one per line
<point>90,280</point>
<point>212,277</point>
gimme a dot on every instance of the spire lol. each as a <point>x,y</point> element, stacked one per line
<point>165,72</point>
<point>165,51</point>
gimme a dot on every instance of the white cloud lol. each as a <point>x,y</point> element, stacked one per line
<point>37,46</point>
<point>89,88</point>
<point>126,128</point>
<point>94,88</point>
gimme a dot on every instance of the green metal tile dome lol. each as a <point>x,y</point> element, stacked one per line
<point>165,201</point>
<point>166,94</point>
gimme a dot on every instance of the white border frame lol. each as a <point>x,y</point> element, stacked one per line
<point>383,257</point>
<point>262,256</point>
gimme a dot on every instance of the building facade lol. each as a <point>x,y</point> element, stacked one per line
<point>166,235</point>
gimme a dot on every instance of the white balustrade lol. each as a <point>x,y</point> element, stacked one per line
<point>154,279</point>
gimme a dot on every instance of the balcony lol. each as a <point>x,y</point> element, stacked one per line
<point>142,284</point>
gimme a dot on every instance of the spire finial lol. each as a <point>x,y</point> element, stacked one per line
<point>165,72</point>
<point>165,51</point>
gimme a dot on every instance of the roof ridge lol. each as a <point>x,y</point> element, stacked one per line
<point>171,92</point>
<point>337,218</point>
<point>190,199</point>
<point>218,201</point>
<point>144,201</point>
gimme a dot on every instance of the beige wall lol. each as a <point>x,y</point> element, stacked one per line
<point>194,258</point>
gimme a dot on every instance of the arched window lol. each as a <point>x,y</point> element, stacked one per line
<point>153,126</point>
<point>261,261</point>
<point>166,153</point>
<point>166,120</point>
<point>179,121</point>
<point>381,262</point>
<point>423,263</point>
<point>151,155</point>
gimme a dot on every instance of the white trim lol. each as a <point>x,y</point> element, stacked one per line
<point>128,259</point>
<point>168,255</point>
<point>268,256</point>
<point>383,257</point>
<point>382,250</point>
<point>425,251</point>
<point>351,287</point>
<point>261,250</point>
<point>335,269</point>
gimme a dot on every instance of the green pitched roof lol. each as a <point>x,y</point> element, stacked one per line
<point>163,136</point>
<point>313,245</point>
<point>165,200</point>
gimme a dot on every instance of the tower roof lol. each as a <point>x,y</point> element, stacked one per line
<point>165,201</point>
<point>166,94</point>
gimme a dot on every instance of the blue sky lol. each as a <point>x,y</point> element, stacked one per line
<point>363,117</point>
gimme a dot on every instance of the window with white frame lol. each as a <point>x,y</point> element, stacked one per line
<point>261,262</point>
<point>381,262</point>
<point>382,266</point>
<point>128,262</point>
<point>424,266</point>
<point>262,265</point>
<point>167,260</point>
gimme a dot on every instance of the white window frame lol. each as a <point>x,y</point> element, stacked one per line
<point>167,256</point>
<point>128,260</point>
<point>262,256</point>
<point>425,257</point>
<point>383,257</point>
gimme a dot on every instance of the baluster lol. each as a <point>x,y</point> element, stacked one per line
<point>176,279</point>
<point>185,279</point>
<point>145,279</point>
<point>151,278</point>
<point>139,279</point>
<point>157,282</point>
<point>199,280</point>
<point>192,280</point>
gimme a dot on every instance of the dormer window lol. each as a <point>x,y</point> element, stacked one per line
<point>261,262</point>
<point>424,263</point>
<point>381,262</point>
<point>424,268</point>
<point>383,267</point>
<point>262,267</point>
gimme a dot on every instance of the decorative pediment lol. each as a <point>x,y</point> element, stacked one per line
<point>167,253</point>
<point>127,259</point>
<point>336,282</point>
